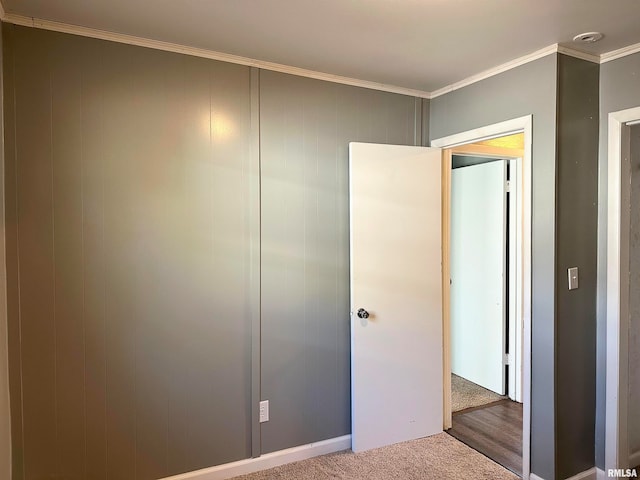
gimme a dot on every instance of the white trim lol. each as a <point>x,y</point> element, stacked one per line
<point>618,205</point>
<point>203,53</point>
<point>496,70</point>
<point>269,460</point>
<point>521,124</point>
<point>600,474</point>
<point>302,72</point>
<point>488,132</point>
<point>555,48</point>
<point>634,459</point>
<point>589,57</point>
<point>621,52</point>
<point>592,474</point>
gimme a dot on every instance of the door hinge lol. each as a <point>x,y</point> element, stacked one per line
<point>507,186</point>
<point>507,359</point>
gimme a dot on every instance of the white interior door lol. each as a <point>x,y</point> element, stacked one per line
<point>478,258</point>
<point>396,352</point>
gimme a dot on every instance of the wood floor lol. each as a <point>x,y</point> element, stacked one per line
<point>494,430</point>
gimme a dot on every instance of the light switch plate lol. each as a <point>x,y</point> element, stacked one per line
<point>264,411</point>
<point>573,278</point>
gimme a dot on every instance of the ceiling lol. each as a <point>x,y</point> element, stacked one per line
<point>417,44</point>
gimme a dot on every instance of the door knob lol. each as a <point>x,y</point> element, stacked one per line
<point>362,313</point>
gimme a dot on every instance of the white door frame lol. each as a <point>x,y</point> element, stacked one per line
<point>516,125</point>
<point>618,227</point>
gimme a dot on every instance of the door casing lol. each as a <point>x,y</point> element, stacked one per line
<point>516,125</point>
<point>617,281</point>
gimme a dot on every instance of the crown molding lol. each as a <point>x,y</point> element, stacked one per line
<point>204,53</point>
<point>589,57</point>
<point>302,72</point>
<point>543,52</point>
<point>621,52</point>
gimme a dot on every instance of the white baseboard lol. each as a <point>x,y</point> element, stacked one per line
<point>586,475</point>
<point>634,459</point>
<point>590,474</point>
<point>269,460</point>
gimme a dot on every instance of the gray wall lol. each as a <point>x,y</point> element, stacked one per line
<point>5,418</point>
<point>127,235</point>
<point>306,127</point>
<point>136,349</point>
<point>619,90</point>
<point>634,300</point>
<point>576,246</point>
<point>529,89</point>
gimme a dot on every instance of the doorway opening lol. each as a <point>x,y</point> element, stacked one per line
<point>622,429</point>
<point>486,329</point>
<point>634,302</point>
<point>487,290</point>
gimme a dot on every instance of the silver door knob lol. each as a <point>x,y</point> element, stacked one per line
<point>362,313</point>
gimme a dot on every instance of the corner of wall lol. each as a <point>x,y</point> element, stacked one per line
<point>576,246</point>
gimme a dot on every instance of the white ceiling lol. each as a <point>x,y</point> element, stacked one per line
<point>417,44</point>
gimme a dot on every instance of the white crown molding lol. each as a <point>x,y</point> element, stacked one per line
<point>591,474</point>
<point>621,52</point>
<point>200,52</point>
<point>589,57</point>
<point>302,72</point>
<point>543,52</point>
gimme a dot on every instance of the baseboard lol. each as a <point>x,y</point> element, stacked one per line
<point>601,474</point>
<point>269,460</point>
<point>586,475</point>
<point>590,474</point>
<point>634,459</point>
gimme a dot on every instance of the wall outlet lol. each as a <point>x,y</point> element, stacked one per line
<point>264,411</point>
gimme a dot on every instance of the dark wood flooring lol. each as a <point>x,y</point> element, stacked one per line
<point>494,430</point>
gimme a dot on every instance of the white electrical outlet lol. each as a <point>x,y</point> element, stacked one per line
<point>264,411</point>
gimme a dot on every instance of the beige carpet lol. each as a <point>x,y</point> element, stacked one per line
<point>466,394</point>
<point>440,457</point>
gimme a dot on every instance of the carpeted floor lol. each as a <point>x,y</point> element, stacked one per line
<point>439,457</point>
<point>466,394</point>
